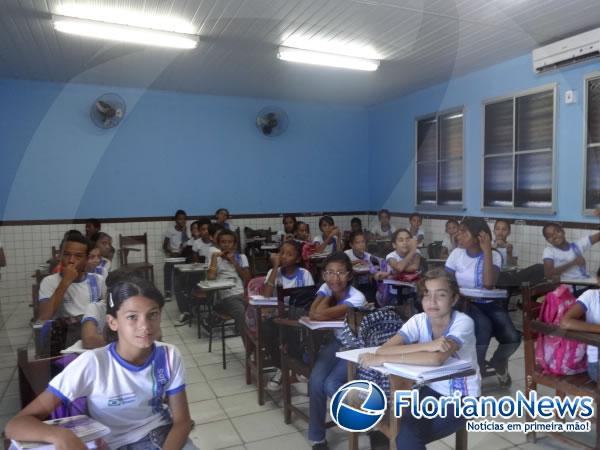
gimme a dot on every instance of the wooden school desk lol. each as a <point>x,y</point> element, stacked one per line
<point>390,425</point>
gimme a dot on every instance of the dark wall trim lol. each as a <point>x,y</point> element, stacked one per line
<point>578,225</point>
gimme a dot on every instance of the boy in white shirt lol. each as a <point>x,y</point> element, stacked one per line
<point>565,258</point>
<point>175,238</point>
<point>203,246</point>
<point>229,264</point>
<point>383,229</point>
<point>68,293</point>
<point>416,221</point>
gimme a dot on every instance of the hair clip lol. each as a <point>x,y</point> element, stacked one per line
<point>111,303</point>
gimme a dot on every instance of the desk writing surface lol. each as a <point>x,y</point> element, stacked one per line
<point>591,281</point>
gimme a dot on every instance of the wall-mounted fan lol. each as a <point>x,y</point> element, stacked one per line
<point>272,121</point>
<point>108,110</point>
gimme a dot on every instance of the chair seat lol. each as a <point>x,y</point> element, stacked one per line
<point>580,384</point>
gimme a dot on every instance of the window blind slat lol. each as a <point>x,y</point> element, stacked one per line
<point>593,118</point>
<point>535,120</point>
<point>426,183</point>
<point>499,127</point>
<point>592,191</point>
<point>534,180</point>
<point>498,173</point>
<point>451,136</point>
<point>427,140</point>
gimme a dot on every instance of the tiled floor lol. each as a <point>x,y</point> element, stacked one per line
<point>224,408</point>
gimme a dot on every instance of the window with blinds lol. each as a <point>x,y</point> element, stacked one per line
<point>519,152</point>
<point>440,160</point>
<point>592,144</point>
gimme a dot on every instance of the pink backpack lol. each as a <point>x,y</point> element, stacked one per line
<point>556,355</point>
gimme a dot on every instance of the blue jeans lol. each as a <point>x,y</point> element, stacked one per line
<point>593,371</point>
<point>155,440</point>
<point>414,434</point>
<point>492,320</point>
<point>326,377</point>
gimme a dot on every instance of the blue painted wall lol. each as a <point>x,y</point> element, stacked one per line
<point>392,135</point>
<point>173,150</point>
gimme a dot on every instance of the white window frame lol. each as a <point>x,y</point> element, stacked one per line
<point>513,96</point>
<point>436,116</point>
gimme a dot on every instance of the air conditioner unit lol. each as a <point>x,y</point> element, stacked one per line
<point>567,51</point>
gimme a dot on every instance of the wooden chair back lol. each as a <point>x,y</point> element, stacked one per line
<point>132,243</point>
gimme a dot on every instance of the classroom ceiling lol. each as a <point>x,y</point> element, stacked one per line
<point>421,42</point>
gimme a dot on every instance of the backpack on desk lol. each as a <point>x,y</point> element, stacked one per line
<point>557,355</point>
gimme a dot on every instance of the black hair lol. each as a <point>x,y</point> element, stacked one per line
<point>476,225</point>
<point>100,235</point>
<point>76,236</point>
<point>503,220</point>
<point>354,235</point>
<point>213,228</point>
<point>117,276</point>
<point>326,219</point>
<point>289,216</point>
<point>220,210</point>
<point>598,272</point>
<point>203,221</point>
<point>449,221</point>
<point>415,214</point>
<point>180,212</point>
<point>340,257</point>
<point>124,287</point>
<point>302,223</point>
<point>95,222</point>
<point>356,220</point>
<point>297,247</point>
<point>226,232</point>
<point>398,231</point>
<point>195,222</point>
<point>548,225</point>
<point>383,211</point>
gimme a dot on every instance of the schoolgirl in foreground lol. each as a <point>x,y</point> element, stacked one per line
<point>126,383</point>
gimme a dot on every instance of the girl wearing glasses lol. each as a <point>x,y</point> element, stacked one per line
<point>334,298</point>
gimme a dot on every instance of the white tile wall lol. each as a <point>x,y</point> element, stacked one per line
<point>28,246</point>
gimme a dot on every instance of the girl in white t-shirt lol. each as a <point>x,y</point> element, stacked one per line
<point>477,266</point>
<point>430,338</point>
<point>449,242</point>
<point>334,299</point>
<point>135,386</point>
<point>584,315</point>
<point>564,258</point>
<point>405,257</point>
<point>331,238</point>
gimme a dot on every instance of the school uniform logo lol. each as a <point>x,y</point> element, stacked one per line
<point>358,406</point>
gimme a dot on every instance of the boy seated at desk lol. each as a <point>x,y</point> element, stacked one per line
<point>228,264</point>
<point>66,294</point>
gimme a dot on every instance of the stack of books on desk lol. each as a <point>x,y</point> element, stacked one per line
<point>259,300</point>
<point>318,324</point>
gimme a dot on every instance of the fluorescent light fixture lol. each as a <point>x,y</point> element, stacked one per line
<point>124,33</point>
<point>326,59</point>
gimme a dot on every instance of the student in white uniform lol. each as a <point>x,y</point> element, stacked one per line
<point>286,272</point>
<point>331,238</point>
<point>430,338</point>
<point>416,221</point>
<point>175,238</point>
<point>334,298</point>
<point>501,244</point>
<point>584,315</point>
<point>449,242</point>
<point>564,258</point>
<point>365,265</point>
<point>66,294</point>
<point>476,265</point>
<point>405,258</point>
<point>135,386</point>
<point>228,263</point>
<point>384,228</point>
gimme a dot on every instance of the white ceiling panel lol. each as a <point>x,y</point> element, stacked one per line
<point>420,41</point>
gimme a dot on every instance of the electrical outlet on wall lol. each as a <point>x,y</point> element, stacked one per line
<point>570,96</point>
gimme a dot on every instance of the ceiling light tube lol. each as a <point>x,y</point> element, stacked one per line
<point>326,59</point>
<point>124,33</point>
